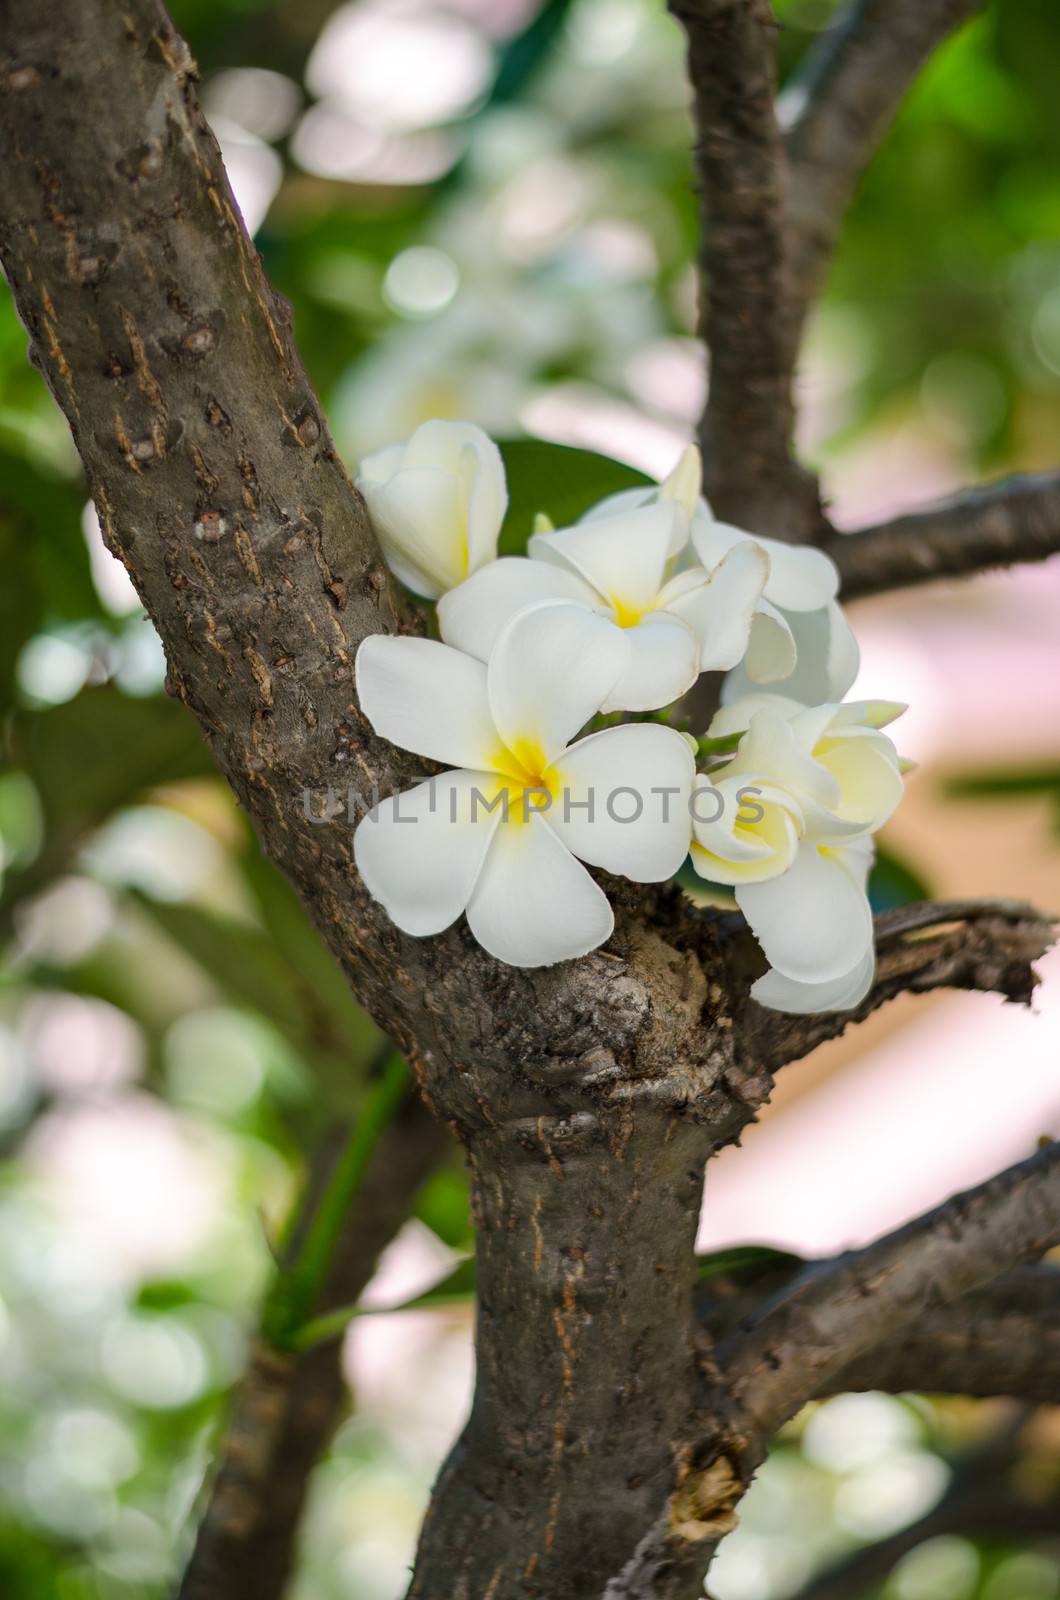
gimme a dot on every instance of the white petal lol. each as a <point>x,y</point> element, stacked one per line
<point>624,557</point>
<point>436,503</point>
<point>865,765</point>
<point>474,614</point>
<point>427,698</point>
<point>420,853</point>
<point>471,456</point>
<point>871,713</point>
<point>722,607</point>
<point>534,904</point>
<point>771,653</point>
<point>813,922</point>
<point>800,577</point>
<point>635,500</point>
<point>810,723</point>
<point>685,483</point>
<point>735,716</point>
<point>771,750</point>
<point>620,800</point>
<point>828,655</point>
<point>836,994</point>
<point>856,857</point>
<point>827,659</point>
<point>551,670</point>
<point>663,663</point>
<point>744,832</point>
<point>380,465</point>
<point>419,519</point>
<point>621,500</point>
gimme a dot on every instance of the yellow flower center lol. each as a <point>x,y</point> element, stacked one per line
<point>627,613</point>
<point>526,779</point>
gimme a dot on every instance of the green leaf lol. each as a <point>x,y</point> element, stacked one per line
<point>101,750</point>
<point>444,1204</point>
<point>89,757</point>
<point>559,480</point>
<point>296,1287</point>
<point>723,745</point>
<point>894,882</point>
<point>304,950</point>
<point>746,1261</point>
<point>1005,785</point>
<point>456,1288</point>
<point>165,1294</point>
<point>703,891</point>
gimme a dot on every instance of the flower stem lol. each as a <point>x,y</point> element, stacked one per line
<point>723,746</point>
<point>297,1286</point>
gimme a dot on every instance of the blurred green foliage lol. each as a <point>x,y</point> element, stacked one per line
<point>173,1036</point>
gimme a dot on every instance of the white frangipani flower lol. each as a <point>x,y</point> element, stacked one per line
<point>436,503</point>
<point>498,838</point>
<point>786,822</point>
<point>619,567</point>
<point>800,638</point>
<point>620,612</point>
<point>843,773</point>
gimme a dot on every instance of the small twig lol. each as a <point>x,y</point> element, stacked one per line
<point>987,945</point>
<point>297,1286</point>
<point>1017,519</point>
<point>838,107</point>
<point>799,1343</point>
<point>748,423</point>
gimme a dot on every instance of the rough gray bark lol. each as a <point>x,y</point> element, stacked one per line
<point>798,1345</point>
<point>1001,1340</point>
<point>961,944</point>
<point>587,1096</point>
<point>837,109</point>
<point>791,1348</point>
<point>747,429</point>
<point>563,1468</point>
<point>1017,519</point>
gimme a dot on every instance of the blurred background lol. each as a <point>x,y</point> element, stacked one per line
<point>483,209</point>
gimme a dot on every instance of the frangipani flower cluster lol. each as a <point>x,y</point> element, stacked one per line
<point>535,695</point>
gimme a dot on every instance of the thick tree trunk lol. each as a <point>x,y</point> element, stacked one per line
<point>586,1400</point>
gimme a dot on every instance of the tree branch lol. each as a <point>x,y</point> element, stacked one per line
<point>799,1344</point>
<point>747,427</point>
<point>287,1406</point>
<point>836,110</point>
<point>1000,1340</point>
<point>986,945</point>
<point>1017,519</point>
